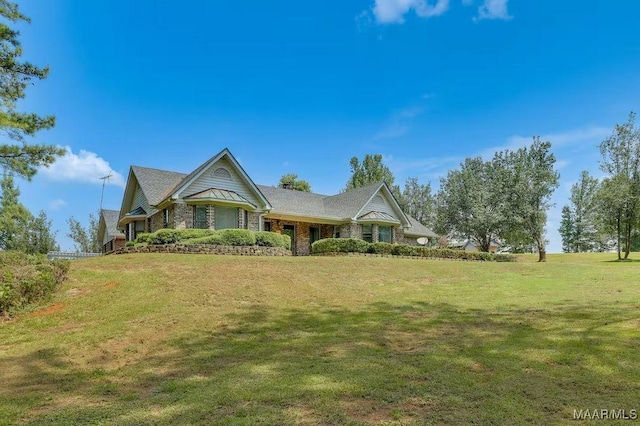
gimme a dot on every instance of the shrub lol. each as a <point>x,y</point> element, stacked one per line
<point>165,236</point>
<point>272,239</point>
<point>238,237</point>
<point>403,250</point>
<point>213,239</point>
<point>27,278</point>
<point>130,244</point>
<point>192,233</point>
<point>143,238</point>
<point>340,245</point>
<point>381,248</point>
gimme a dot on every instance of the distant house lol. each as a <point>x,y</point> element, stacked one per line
<point>471,246</point>
<point>110,237</point>
<point>220,195</point>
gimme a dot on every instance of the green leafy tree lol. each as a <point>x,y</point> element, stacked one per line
<point>291,181</point>
<point>417,201</point>
<point>85,239</point>
<point>620,195</point>
<point>40,238</point>
<point>18,156</point>
<point>14,217</point>
<point>470,203</point>
<point>579,227</point>
<point>370,170</point>
<point>528,180</point>
<point>567,230</point>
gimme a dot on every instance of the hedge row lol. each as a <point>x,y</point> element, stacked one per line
<point>26,278</point>
<point>225,237</point>
<point>351,245</point>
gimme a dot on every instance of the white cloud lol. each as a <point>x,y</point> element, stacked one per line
<point>393,11</point>
<point>84,167</point>
<point>493,9</point>
<point>57,204</point>
<point>563,139</point>
<point>399,124</point>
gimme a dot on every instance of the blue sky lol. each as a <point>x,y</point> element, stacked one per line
<point>301,87</point>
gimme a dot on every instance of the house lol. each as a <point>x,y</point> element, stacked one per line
<point>108,234</point>
<point>471,246</point>
<point>220,195</point>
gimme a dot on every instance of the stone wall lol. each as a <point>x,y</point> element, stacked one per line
<point>253,221</point>
<point>183,216</point>
<point>206,249</point>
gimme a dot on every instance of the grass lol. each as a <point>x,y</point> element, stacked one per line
<point>178,339</point>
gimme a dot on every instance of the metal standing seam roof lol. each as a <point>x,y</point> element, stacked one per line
<point>219,194</point>
<point>136,212</point>
<point>378,216</point>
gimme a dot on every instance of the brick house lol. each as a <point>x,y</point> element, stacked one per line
<point>220,195</point>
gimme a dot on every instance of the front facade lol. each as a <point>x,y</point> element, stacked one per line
<point>220,195</point>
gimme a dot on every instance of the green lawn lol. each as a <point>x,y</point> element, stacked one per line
<point>181,339</point>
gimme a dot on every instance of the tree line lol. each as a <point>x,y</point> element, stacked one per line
<point>603,214</point>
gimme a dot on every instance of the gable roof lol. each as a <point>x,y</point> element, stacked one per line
<point>419,230</point>
<point>108,224</point>
<point>186,180</point>
<point>341,207</point>
<point>155,183</point>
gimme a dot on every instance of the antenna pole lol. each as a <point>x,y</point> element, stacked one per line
<point>104,181</point>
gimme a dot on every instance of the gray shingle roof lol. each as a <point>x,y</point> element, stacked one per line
<point>156,183</point>
<point>419,230</point>
<point>110,218</point>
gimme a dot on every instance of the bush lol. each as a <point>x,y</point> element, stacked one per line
<point>238,237</point>
<point>143,238</point>
<point>165,236</point>
<point>27,278</point>
<point>272,239</point>
<point>130,244</point>
<point>404,250</point>
<point>213,239</point>
<point>340,245</point>
<point>381,248</point>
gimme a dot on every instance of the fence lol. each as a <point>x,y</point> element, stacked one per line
<point>69,255</point>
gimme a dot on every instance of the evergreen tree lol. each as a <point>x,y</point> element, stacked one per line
<point>291,181</point>
<point>14,217</point>
<point>19,157</point>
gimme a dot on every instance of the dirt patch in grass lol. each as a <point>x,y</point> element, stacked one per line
<point>111,284</point>
<point>372,411</point>
<point>56,307</point>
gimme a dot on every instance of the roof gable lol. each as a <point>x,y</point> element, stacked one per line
<point>108,224</point>
<point>222,172</point>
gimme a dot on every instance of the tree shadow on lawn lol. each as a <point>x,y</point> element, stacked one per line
<point>418,363</point>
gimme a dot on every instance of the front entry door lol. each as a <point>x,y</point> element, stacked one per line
<point>290,230</point>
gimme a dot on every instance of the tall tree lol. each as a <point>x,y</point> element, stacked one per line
<point>621,189</point>
<point>418,201</point>
<point>470,203</point>
<point>579,227</point>
<point>291,181</point>
<point>85,239</point>
<point>19,157</point>
<point>14,217</point>
<point>371,169</point>
<point>567,230</point>
<point>529,179</point>
<point>40,238</point>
